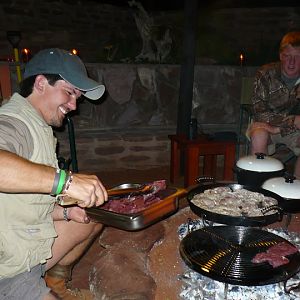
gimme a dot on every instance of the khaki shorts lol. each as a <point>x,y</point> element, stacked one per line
<point>25,286</point>
<point>291,141</point>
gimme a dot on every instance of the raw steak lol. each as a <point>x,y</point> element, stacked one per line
<point>275,255</point>
<point>274,260</point>
<point>283,249</point>
<point>136,203</point>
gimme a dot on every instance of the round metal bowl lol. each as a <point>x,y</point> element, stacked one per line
<point>236,220</point>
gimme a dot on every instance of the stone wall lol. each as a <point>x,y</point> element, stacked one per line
<point>97,30</point>
<point>111,150</point>
<point>145,96</point>
<point>86,26</point>
<point>129,127</point>
<point>255,32</point>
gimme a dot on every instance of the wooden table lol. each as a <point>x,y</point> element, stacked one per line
<point>192,150</point>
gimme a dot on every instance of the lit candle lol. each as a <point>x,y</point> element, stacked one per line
<point>241,59</point>
<point>74,51</point>
<point>26,51</point>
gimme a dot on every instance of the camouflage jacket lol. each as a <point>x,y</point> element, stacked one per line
<point>273,102</point>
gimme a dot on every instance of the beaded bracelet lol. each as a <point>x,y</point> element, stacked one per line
<point>68,183</point>
<point>65,214</point>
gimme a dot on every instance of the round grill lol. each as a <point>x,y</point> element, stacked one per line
<point>224,253</point>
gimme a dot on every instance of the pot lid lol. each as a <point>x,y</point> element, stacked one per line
<point>260,162</point>
<point>286,187</point>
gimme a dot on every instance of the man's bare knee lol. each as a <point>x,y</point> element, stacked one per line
<point>259,141</point>
<point>49,296</point>
<point>98,227</point>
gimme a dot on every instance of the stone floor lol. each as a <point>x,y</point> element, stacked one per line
<point>138,265</point>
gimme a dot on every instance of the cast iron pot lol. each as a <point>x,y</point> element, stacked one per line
<point>288,187</point>
<point>205,183</point>
<point>254,170</point>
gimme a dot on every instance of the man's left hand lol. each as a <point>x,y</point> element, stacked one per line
<point>77,214</point>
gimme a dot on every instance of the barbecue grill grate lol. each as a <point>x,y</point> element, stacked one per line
<point>224,253</point>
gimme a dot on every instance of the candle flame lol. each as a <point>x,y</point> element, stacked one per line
<point>74,51</point>
<point>241,56</point>
<point>25,50</point>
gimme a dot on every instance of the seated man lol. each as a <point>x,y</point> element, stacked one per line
<point>276,99</point>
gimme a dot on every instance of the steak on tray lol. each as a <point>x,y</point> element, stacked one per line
<point>136,202</point>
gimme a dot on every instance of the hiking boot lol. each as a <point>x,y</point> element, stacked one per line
<point>57,279</point>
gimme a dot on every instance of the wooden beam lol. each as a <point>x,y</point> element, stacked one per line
<point>187,67</point>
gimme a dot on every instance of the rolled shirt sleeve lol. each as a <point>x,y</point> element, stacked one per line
<point>15,137</point>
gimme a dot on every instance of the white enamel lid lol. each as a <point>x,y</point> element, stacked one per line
<point>260,162</point>
<point>286,187</point>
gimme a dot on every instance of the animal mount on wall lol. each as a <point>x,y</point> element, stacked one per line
<point>157,41</point>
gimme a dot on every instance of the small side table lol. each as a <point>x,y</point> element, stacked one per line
<point>193,149</point>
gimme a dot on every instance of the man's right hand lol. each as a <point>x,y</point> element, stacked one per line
<point>88,189</point>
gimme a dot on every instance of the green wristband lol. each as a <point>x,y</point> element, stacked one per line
<point>62,181</point>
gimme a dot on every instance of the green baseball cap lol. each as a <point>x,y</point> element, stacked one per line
<point>68,66</point>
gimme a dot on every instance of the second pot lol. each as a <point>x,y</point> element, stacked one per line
<point>287,187</point>
<point>254,170</point>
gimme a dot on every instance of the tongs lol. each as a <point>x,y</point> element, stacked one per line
<point>115,193</point>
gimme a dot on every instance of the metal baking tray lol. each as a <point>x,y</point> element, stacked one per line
<point>142,219</point>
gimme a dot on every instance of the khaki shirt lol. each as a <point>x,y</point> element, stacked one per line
<point>26,226</point>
